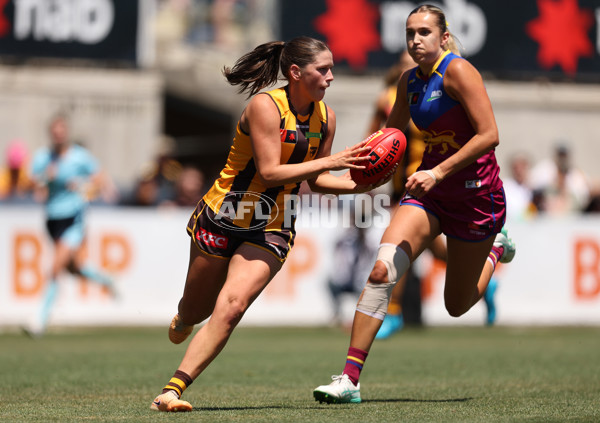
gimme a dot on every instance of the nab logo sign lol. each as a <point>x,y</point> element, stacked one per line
<point>59,21</point>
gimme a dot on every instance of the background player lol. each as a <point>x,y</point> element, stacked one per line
<point>66,174</point>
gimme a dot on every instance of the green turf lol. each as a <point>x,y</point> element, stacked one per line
<point>450,374</point>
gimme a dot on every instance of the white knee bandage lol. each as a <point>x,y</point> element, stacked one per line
<point>376,296</point>
<point>395,259</point>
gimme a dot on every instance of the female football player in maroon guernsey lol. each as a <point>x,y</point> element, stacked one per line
<point>456,190</point>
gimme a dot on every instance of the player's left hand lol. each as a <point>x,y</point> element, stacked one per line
<point>420,183</point>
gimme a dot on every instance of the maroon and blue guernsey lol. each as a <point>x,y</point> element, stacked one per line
<point>446,128</point>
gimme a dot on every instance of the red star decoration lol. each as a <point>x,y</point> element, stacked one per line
<point>350,27</point>
<point>561,31</point>
<point>4,22</point>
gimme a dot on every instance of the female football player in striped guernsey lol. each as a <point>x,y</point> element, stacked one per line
<point>243,229</point>
<point>456,190</point>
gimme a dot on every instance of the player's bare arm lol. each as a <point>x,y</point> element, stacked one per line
<point>262,121</point>
<point>464,83</point>
<point>400,114</point>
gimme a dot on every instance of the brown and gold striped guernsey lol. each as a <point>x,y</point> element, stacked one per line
<point>238,191</point>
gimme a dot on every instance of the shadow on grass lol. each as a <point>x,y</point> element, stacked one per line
<point>262,407</point>
<point>419,400</point>
<point>320,406</point>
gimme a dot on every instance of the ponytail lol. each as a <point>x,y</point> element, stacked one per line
<point>260,68</point>
<point>453,44</point>
<point>257,69</point>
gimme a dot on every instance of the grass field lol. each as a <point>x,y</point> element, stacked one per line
<point>449,374</point>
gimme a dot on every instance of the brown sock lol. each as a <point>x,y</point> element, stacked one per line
<point>178,383</point>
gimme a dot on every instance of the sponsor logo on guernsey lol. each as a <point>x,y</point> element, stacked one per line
<point>473,184</point>
<point>413,98</point>
<point>212,240</point>
<point>314,135</point>
<point>288,136</point>
<point>478,229</point>
<point>476,232</point>
<point>435,94</point>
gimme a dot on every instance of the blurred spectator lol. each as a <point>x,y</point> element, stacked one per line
<point>563,187</point>
<point>189,188</point>
<point>519,195</point>
<point>157,183</point>
<point>171,20</point>
<point>145,193</point>
<point>15,185</point>
<point>226,33</point>
<point>229,25</point>
<point>593,205</point>
<point>167,182</point>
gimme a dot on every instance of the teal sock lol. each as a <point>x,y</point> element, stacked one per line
<point>47,303</point>
<point>94,275</point>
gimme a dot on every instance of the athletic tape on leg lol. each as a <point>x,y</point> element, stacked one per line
<point>395,260</point>
<point>376,296</point>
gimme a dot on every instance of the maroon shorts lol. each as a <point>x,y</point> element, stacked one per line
<point>471,219</point>
<point>216,240</point>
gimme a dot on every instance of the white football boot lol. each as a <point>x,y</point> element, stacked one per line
<point>340,391</point>
<point>502,240</point>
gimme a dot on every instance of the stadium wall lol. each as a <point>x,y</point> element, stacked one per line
<point>554,279</point>
<point>116,113</point>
